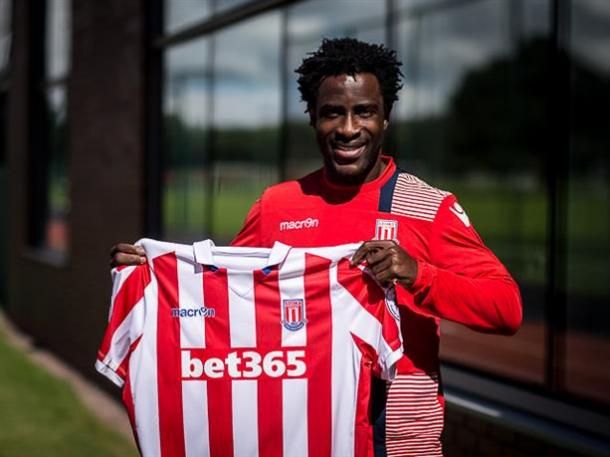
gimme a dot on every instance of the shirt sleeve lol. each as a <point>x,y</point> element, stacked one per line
<point>125,322</point>
<point>249,235</point>
<point>464,281</point>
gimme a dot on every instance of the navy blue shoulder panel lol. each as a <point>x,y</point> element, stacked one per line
<point>387,192</point>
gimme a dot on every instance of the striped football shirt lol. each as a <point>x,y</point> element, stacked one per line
<point>233,351</point>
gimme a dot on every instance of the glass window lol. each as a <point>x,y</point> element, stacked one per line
<point>186,108</point>
<point>224,5</point>
<point>50,200</point>
<point>474,117</point>
<point>469,121</point>
<point>308,23</point>
<point>57,49</point>
<point>587,344</point>
<point>180,14</point>
<point>246,119</point>
<point>5,36</point>
<point>56,235</point>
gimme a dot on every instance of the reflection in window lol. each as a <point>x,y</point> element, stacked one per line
<point>308,23</point>
<point>468,120</point>
<point>186,123</point>
<point>224,5</point>
<point>56,236</point>
<point>246,119</point>
<point>50,200</point>
<point>587,343</point>
<point>180,14</point>
<point>473,118</point>
<point>57,41</point>
<point>5,37</point>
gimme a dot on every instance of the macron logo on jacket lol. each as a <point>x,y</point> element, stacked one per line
<point>310,222</point>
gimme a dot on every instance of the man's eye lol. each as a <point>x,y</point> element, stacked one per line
<point>330,114</point>
<point>365,112</point>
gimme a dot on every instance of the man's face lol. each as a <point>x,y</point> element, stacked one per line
<point>349,122</point>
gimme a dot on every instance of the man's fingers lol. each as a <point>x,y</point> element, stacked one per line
<point>384,276</point>
<point>126,248</point>
<point>388,262</point>
<point>123,254</point>
<point>121,259</point>
<point>358,257</point>
<point>374,257</point>
<point>381,265</point>
<point>369,247</point>
<point>127,254</point>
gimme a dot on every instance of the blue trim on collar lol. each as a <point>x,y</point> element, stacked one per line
<point>387,193</point>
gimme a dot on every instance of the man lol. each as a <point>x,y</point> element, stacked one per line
<point>421,239</point>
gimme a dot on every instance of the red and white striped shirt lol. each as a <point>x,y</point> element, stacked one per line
<point>248,351</point>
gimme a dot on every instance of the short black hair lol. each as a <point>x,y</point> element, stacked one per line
<point>348,56</point>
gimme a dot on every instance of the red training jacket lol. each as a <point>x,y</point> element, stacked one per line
<point>458,277</point>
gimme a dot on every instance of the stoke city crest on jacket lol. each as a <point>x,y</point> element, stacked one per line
<point>386,229</point>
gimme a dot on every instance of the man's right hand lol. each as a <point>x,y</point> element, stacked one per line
<point>126,254</point>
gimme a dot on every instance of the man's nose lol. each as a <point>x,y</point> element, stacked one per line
<point>349,128</point>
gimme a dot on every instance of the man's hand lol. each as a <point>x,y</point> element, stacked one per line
<point>389,262</point>
<point>126,254</point>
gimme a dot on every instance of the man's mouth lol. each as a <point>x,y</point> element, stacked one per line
<point>345,153</point>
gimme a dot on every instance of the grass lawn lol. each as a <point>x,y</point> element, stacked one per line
<point>41,416</point>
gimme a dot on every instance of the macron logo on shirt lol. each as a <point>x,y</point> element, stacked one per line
<point>310,222</point>
<point>193,312</point>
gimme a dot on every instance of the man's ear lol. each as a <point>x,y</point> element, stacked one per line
<point>385,124</point>
<point>312,116</point>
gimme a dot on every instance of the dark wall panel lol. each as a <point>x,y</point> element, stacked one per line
<point>65,305</point>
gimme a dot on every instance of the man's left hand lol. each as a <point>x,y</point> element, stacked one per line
<point>389,262</point>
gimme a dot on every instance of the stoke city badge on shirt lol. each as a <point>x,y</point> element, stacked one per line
<point>294,314</point>
<point>386,229</point>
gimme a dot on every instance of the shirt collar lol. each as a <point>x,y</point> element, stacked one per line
<point>204,251</point>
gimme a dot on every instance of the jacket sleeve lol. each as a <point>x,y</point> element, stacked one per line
<point>464,281</point>
<point>249,235</point>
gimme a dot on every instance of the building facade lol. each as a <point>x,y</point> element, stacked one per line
<point>167,118</point>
